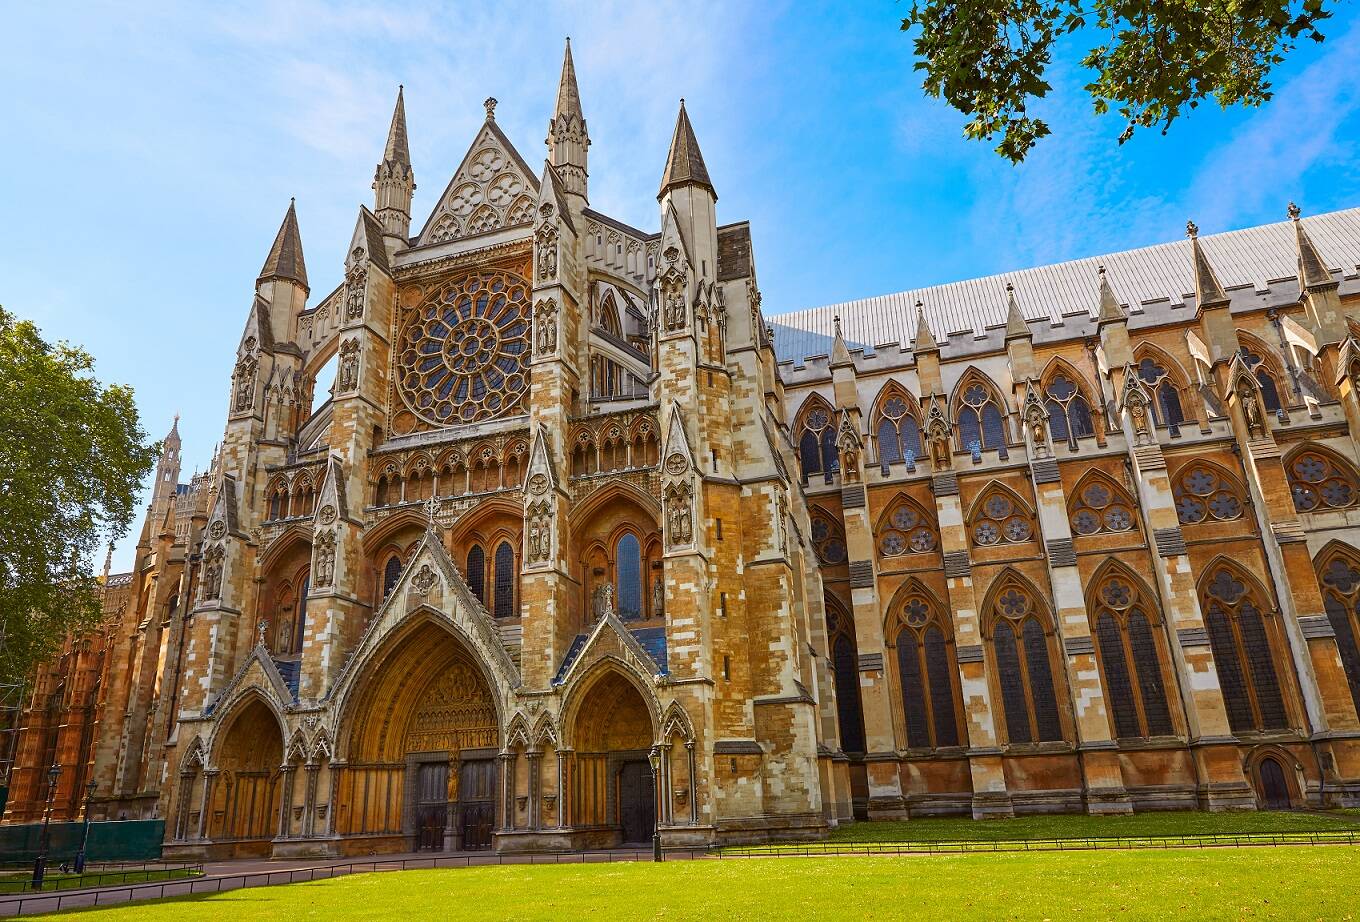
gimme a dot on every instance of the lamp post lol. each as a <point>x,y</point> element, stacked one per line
<point>85,838</point>
<point>40,863</point>
<point>655,758</point>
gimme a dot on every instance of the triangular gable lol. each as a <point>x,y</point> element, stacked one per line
<point>367,241</point>
<point>330,500</point>
<point>550,192</point>
<point>674,248</point>
<point>492,188</point>
<point>267,678</point>
<point>677,445</point>
<point>610,638</point>
<point>224,511</point>
<point>540,465</point>
<point>258,334</point>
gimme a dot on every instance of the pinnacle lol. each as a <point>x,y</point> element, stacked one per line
<point>1110,308</point>
<point>1015,320</point>
<point>924,339</point>
<point>685,164</point>
<point>397,150</point>
<point>1312,270</point>
<point>568,95</point>
<point>1208,289</point>
<point>285,256</point>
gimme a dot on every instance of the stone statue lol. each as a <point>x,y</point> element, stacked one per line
<point>658,596</point>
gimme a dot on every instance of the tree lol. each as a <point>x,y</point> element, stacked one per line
<point>72,458</point>
<point>1152,59</point>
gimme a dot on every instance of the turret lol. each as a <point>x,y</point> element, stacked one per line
<point>394,181</point>
<point>283,279</point>
<point>568,139</point>
<point>167,473</point>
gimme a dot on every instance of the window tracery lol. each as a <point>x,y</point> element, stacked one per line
<point>898,431</point>
<point>925,669</point>
<point>1340,576</point>
<point>1254,358</point>
<point>1166,396</point>
<point>840,631</point>
<point>1101,506</point>
<point>981,416</point>
<point>1130,660</point>
<point>1069,412</point>
<point>463,352</point>
<point>1202,494</point>
<point>1020,645</point>
<point>1243,652</point>
<point>817,452</point>
<point>906,530</point>
<point>998,519</point>
<point>828,538</point>
<point>1318,482</point>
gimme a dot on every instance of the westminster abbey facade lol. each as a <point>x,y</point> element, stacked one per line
<point>582,546</point>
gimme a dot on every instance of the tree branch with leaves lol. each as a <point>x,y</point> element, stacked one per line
<point>1152,59</point>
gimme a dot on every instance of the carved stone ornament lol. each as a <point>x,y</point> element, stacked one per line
<point>937,434</point>
<point>217,530</point>
<point>424,580</point>
<point>245,383</point>
<point>546,210</point>
<point>1251,407</point>
<point>212,573</point>
<point>538,533</point>
<point>348,377</point>
<point>679,515</point>
<point>674,312</point>
<point>356,285</point>
<point>545,253</point>
<point>538,484</point>
<point>676,464</point>
<point>323,565</point>
<point>327,514</point>
<point>1036,419</point>
<point>545,327</point>
<point>1135,401</point>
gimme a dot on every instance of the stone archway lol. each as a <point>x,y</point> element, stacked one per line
<point>613,792</point>
<point>242,806</point>
<point>422,737</point>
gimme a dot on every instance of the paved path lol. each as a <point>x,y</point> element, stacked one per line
<point>220,876</point>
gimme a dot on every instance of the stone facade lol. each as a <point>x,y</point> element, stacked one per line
<point>571,553</point>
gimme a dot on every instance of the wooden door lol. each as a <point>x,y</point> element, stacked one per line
<point>477,802</point>
<point>637,803</point>
<point>432,805</point>
<point>1274,789</point>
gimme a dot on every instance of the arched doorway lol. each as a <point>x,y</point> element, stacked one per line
<point>1272,787</point>
<point>423,739</point>
<point>613,791</point>
<point>243,805</point>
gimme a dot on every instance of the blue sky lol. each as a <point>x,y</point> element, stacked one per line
<point>151,150</point>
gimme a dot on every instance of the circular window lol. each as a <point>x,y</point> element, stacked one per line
<point>464,351</point>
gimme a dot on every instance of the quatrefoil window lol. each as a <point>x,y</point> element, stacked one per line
<point>1317,483</point>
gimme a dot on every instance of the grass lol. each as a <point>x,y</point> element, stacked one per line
<point>1070,825</point>
<point>1255,883</point>
<point>18,882</point>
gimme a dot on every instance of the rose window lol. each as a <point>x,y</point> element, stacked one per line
<point>1316,483</point>
<point>1000,519</point>
<point>1201,494</point>
<point>464,351</point>
<point>906,532</point>
<point>1099,508</point>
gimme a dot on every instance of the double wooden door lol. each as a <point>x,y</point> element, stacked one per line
<point>637,802</point>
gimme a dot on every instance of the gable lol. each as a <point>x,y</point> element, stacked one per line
<point>493,188</point>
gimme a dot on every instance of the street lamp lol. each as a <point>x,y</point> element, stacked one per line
<point>85,839</point>
<point>40,863</point>
<point>655,758</point>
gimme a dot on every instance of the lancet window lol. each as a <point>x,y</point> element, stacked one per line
<point>817,453</point>
<point>1264,374</point>
<point>999,519</point>
<point>828,538</point>
<point>1022,650</point>
<point>1340,575</point>
<point>1319,482</point>
<point>1243,653</point>
<point>906,530</point>
<point>898,432</point>
<point>1130,660</point>
<point>391,573</point>
<point>981,418</point>
<point>1203,494</point>
<point>925,671</point>
<point>1101,506</point>
<point>1069,412</point>
<point>1166,402</point>
<point>845,671</point>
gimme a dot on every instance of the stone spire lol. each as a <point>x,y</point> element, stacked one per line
<point>394,180</point>
<point>167,473</point>
<point>1312,270</point>
<point>567,135</point>
<point>1208,290</point>
<point>285,256</point>
<point>685,164</point>
<point>1110,309</point>
<point>1015,321</point>
<point>924,341</point>
<point>840,353</point>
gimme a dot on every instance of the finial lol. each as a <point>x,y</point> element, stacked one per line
<point>920,305</point>
<point>1294,212</point>
<point>1010,289</point>
<point>1100,270</point>
<point>490,105</point>
<point>1191,229</point>
<point>431,507</point>
<point>682,102</point>
<point>837,320</point>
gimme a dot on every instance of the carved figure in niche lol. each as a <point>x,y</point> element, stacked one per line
<point>539,533</point>
<point>323,567</point>
<point>245,384</point>
<point>849,444</point>
<point>261,632</point>
<point>673,314</point>
<point>348,378</point>
<point>1251,409</point>
<point>212,573</point>
<point>782,523</point>
<point>602,600</point>
<point>937,434</point>
<point>546,253</point>
<point>546,320</point>
<point>680,515</point>
<point>355,287</point>
<point>1036,418</point>
<point>658,596</point>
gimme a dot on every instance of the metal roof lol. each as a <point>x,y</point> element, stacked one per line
<point>1253,256</point>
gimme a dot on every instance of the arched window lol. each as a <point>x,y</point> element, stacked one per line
<point>1021,648</point>
<point>1203,494</point>
<point>982,422</point>
<point>1129,659</point>
<point>1265,377</point>
<point>628,567</point>
<point>1166,403</point>
<point>1243,653</point>
<point>1069,413</point>
<point>828,538</point>
<point>505,581</point>
<point>817,452</point>
<point>998,519</point>
<point>898,432</point>
<point>1099,506</point>
<point>925,669</point>
<point>1340,574</point>
<point>845,669</point>
<point>278,500</point>
<point>476,572</point>
<point>391,573</point>
<point>905,530</point>
<point>1318,482</point>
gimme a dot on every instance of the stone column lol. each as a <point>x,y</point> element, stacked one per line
<point>285,800</point>
<point>333,804</point>
<point>561,789</point>
<point>534,817</point>
<point>507,761</point>
<point>204,814</point>
<point>693,790</point>
<point>309,800</point>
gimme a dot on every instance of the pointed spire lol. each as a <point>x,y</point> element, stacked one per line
<point>173,435</point>
<point>568,96</point>
<point>924,341</point>
<point>685,163</point>
<point>397,151</point>
<point>285,256</point>
<point>1312,270</point>
<point>840,354</point>
<point>1208,289</point>
<point>1015,321</point>
<point>1110,309</point>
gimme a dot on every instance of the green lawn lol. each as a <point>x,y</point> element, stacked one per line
<point>1254,883</point>
<point>1069,825</point>
<point>18,882</point>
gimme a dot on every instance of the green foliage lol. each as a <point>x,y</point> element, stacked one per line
<point>1152,59</point>
<point>72,457</point>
